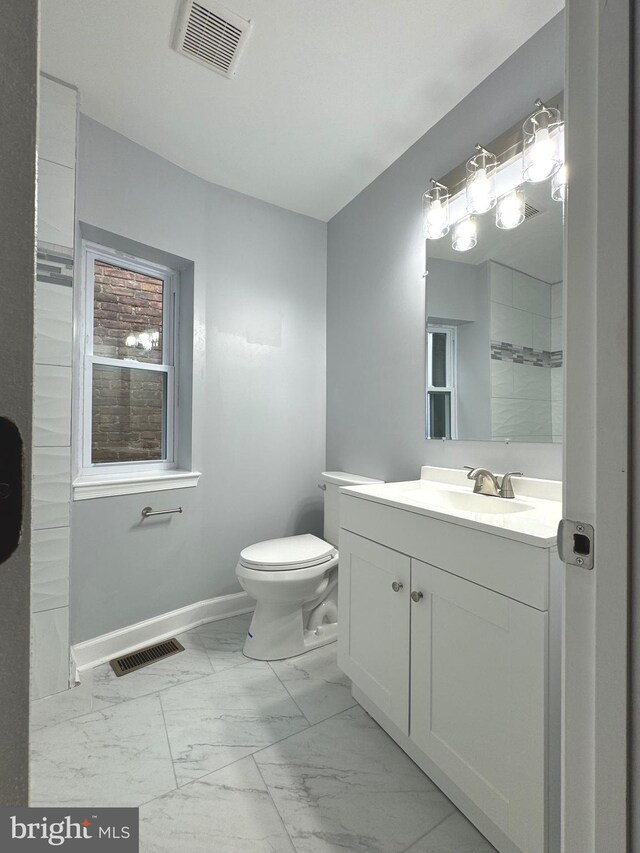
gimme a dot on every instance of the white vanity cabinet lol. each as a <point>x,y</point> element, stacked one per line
<point>374,645</point>
<point>478,697</point>
<point>455,670</point>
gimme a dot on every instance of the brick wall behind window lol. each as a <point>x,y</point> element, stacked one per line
<point>128,406</point>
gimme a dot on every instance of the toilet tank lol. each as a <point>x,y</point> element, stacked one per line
<point>332,481</point>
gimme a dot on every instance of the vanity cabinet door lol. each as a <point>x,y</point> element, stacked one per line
<point>373,623</point>
<point>478,697</point>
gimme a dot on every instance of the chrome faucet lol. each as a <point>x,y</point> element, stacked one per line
<point>486,483</point>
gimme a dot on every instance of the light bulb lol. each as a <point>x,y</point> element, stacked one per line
<point>435,207</point>
<point>510,210</point>
<point>541,149</point>
<point>481,181</point>
<point>436,220</point>
<point>479,192</point>
<point>542,159</point>
<point>465,234</point>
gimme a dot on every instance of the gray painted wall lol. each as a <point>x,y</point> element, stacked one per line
<point>258,396</point>
<point>376,296</point>
<point>19,52</point>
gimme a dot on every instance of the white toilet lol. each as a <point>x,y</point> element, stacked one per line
<point>295,583</point>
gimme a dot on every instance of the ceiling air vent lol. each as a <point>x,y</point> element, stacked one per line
<point>211,35</point>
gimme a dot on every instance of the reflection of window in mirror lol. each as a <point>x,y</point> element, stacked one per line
<point>441,382</point>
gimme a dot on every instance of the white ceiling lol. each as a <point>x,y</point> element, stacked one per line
<point>328,93</point>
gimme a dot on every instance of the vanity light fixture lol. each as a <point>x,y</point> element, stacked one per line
<point>559,180</point>
<point>510,210</point>
<point>541,155</point>
<point>465,234</point>
<point>489,180</point>
<point>435,209</point>
<point>481,181</point>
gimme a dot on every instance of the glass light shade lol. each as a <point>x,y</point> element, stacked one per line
<point>541,154</point>
<point>465,234</point>
<point>559,180</point>
<point>510,209</point>
<point>559,184</point>
<point>435,210</point>
<point>481,181</point>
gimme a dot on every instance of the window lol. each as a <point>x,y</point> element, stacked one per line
<point>128,381</point>
<point>441,382</point>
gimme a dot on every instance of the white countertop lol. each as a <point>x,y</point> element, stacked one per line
<point>540,502</point>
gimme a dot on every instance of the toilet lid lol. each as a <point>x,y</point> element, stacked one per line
<point>285,554</point>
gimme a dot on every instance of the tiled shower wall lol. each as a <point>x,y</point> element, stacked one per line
<point>557,372</point>
<point>526,356</point>
<point>57,131</point>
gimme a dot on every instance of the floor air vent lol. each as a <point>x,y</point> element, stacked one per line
<point>146,656</point>
<point>211,35</point>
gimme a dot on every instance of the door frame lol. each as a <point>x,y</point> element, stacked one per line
<point>596,440</point>
<point>18,99</point>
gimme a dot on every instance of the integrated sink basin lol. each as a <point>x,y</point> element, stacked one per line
<point>453,499</point>
<point>531,516</point>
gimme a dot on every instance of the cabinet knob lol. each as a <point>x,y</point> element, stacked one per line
<point>416,595</point>
<point>396,586</point>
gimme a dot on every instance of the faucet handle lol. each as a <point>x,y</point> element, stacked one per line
<point>506,488</point>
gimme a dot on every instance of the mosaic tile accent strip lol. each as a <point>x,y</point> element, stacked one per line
<point>502,351</point>
<point>54,264</point>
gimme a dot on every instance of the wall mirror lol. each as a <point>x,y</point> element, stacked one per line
<point>494,314</point>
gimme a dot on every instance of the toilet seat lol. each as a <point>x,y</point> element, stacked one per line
<point>287,554</point>
<point>280,578</point>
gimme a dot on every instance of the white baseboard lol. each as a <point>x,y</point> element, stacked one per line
<point>101,649</point>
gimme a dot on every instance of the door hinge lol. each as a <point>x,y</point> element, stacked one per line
<point>575,543</point>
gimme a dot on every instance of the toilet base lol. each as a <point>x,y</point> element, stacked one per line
<point>275,635</point>
<point>322,636</point>
<point>312,640</point>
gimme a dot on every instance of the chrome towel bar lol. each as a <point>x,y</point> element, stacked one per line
<point>149,511</point>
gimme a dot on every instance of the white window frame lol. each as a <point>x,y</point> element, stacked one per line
<point>85,468</point>
<point>451,377</point>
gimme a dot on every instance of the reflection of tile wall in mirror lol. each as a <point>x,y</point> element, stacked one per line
<point>557,373</point>
<point>524,327</point>
<point>522,335</point>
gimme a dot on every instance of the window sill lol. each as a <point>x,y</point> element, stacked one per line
<point>106,486</point>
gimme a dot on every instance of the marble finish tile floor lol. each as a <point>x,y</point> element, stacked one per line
<point>227,754</point>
